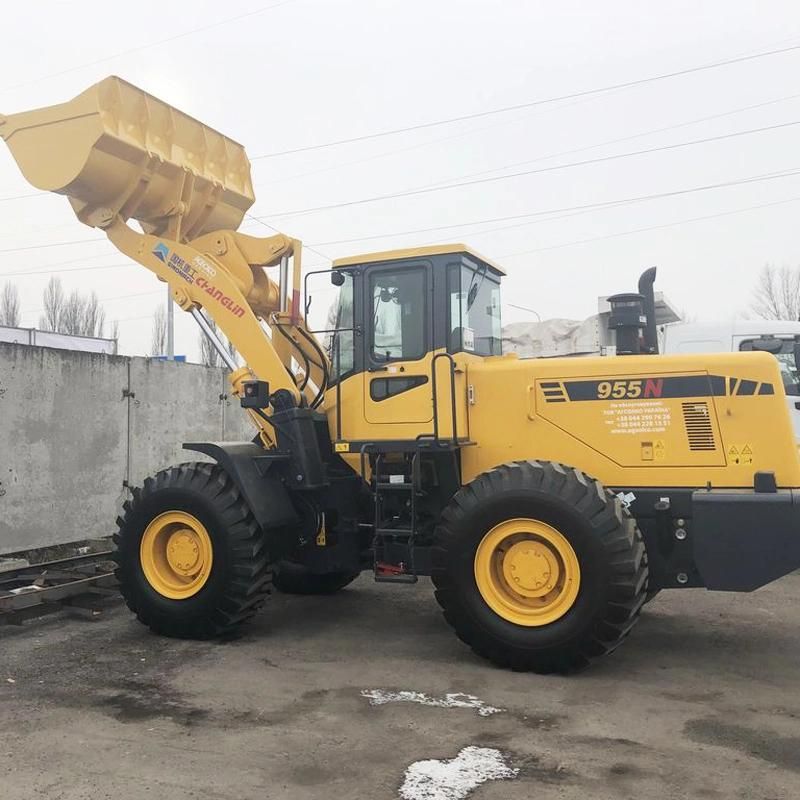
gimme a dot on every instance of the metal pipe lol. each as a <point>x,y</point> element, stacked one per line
<point>284,283</point>
<point>212,337</point>
<point>170,325</point>
<point>337,344</point>
<point>646,282</point>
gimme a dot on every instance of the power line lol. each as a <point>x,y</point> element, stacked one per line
<point>532,103</point>
<point>463,134</point>
<point>51,244</point>
<point>146,46</point>
<point>579,208</point>
<point>377,156</point>
<point>652,228</point>
<point>578,213</point>
<point>260,221</point>
<point>69,261</point>
<point>100,300</point>
<point>134,319</point>
<point>611,236</point>
<point>535,250</point>
<point>619,140</point>
<point>23,196</point>
<point>556,167</point>
<point>407,148</point>
<point>55,268</point>
<point>49,271</point>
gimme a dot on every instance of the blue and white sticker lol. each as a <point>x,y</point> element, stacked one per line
<point>161,252</point>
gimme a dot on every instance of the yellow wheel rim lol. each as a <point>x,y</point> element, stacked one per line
<point>527,572</point>
<point>176,555</point>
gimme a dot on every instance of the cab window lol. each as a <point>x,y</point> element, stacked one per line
<point>398,301</point>
<point>474,311</point>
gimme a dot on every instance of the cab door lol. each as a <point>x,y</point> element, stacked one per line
<point>397,343</point>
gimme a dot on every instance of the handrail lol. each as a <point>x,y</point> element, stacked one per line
<point>435,397</point>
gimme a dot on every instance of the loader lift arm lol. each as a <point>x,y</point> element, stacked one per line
<point>120,154</point>
<point>223,273</point>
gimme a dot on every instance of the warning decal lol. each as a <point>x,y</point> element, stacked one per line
<point>740,454</point>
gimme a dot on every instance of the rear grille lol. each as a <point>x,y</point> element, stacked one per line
<point>699,430</point>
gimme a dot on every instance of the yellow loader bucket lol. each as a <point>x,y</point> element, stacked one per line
<point>117,150</point>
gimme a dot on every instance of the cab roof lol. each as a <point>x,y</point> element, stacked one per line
<point>417,252</point>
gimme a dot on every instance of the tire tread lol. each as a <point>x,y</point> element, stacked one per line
<point>250,571</point>
<point>610,524</point>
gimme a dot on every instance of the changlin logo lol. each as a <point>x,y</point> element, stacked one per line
<point>219,295</point>
<point>161,252</point>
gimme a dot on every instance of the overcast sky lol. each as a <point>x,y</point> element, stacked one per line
<point>310,71</point>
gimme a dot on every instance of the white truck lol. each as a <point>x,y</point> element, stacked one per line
<point>595,336</point>
<point>779,337</point>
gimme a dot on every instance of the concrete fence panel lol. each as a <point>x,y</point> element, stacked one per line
<point>63,443</point>
<point>77,428</point>
<point>170,404</point>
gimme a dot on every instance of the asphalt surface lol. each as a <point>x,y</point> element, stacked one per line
<point>702,701</point>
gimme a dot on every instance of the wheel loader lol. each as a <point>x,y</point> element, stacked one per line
<point>547,499</point>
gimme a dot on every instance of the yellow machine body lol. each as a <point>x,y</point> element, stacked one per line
<point>680,420</point>
<point>633,421</point>
<point>637,420</point>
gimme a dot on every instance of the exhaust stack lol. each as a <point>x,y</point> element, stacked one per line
<point>627,320</point>
<point>646,281</point>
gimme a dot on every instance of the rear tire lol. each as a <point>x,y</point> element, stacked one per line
<point>611,557</point>
<point>292,578</point>
<point>236,579</point>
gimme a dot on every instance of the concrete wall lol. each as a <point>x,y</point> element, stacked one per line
<point>75,428</point>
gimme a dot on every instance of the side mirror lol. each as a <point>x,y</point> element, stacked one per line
<point>337,278</point>
<point>797,353</point>
<point>770,344</point>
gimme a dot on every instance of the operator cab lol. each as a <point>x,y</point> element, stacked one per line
<point>396,308</point>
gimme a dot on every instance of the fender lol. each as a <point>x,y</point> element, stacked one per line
<point>250,467</point>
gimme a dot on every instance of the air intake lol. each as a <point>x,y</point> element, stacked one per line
<point>699,430</point>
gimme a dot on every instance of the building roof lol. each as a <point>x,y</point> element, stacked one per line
<point>416,252</point>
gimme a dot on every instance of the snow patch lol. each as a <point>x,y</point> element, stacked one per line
<point>379,697</point>
<point>455,778</point>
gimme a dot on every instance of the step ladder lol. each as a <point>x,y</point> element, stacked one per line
<point>394,533</point>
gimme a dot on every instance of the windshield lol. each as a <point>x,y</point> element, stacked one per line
<point>789,371</point>
<point>786,361</point>
<point>474,311</point>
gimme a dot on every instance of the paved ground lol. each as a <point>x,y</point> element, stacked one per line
<point>702,702</point>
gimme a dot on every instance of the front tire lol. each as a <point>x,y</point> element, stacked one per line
<point>191,560</point>
<point>538,567</point>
